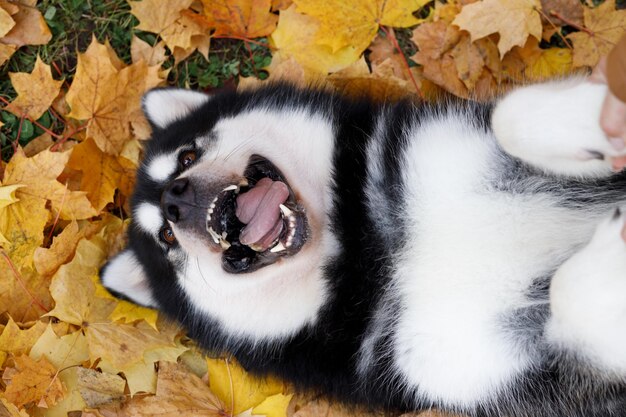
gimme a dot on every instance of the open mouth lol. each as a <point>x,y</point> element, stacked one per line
<point>258,220</point>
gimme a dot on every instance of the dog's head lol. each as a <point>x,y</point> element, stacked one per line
<point>229,215</point>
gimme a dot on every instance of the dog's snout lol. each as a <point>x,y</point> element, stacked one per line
<point>177,199</point>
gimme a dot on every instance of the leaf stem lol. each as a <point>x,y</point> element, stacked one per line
<point>392,37</point>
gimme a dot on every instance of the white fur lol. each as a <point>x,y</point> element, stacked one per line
<point>552,125</point>
<point>126,276</point>
<point>588,300</point>
<point>286,295</point>
<point>149,218</point>
<point>472,255</point>
<point>164,106</point>
<point>161,167</point>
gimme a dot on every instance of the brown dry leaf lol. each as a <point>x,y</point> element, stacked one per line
<point>604,26</point>
<point>9,410</point>
<point>40,143</point>
<point>34,382</point>
<point>435,41</point>
<point>179,392</point>
<point>30,27</point>
<point>108,98</point>
<point>355,22</point>
<point>35,91</point>
<point>514,20</point>
<point>571,10</point>
<point>324,408</point>
<point>19,341</point>
<point>6,51</point>
<point>102,173</point>
<point>281,4</point>
<point>240,18</point>
<point>99,388</point>
<point>295,36</point>
<point>382,49</point>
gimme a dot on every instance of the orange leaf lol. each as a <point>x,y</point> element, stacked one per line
<point>242,18</point>
<point>35,382</point>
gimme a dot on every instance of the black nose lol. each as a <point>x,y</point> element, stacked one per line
<point>177,199</point>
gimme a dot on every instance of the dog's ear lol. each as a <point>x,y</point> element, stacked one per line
<point>163,106</point>
<point>125,278</point>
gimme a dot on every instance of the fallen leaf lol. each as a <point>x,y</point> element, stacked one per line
<point>129,313</point>
<point>553,62</point>
<point>273,406</point>
<point>355,23</point>
<point>570,10</point>
<point>295,37</point>
<point>19,341</point>
<point>151,54</point>
<point>99,388</point>
<point>35,91</point>
<point>233,386</point>
<point>179,393</point>
<point>30,27</point>
<point>604,26</point>
<point>241,18</point>
<point>35,382</point>
<point>513,20</point>
<point>107,98</point>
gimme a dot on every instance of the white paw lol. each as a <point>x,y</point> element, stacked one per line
<point>588,299</point>
<point>556,127</point>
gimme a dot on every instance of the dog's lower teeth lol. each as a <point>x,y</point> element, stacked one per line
<point>278,248</point>
<point>216,238</point>
<point>286,211</point>
<point>224,244</point>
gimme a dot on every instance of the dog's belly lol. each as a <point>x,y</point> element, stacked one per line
<point>471,254</point>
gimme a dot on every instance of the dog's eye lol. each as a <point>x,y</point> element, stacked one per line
<point>187,158</point>
<point>167,235</point>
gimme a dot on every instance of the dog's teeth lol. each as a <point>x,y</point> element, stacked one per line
<point>224,244</point>
<point>214,235</point>
<point>231,188</point>
<point>289,240</point>
<point>243,182</point>
<point>286,211</point>
<point>278,248</point>
<point>224,234</point>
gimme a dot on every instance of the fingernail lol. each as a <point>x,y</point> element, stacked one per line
<point>617,143</point>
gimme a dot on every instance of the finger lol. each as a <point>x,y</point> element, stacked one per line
<point>618,163</point>
<point>613,117</point>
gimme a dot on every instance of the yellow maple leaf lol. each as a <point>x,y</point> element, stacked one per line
<point>107,97</point>
<point>550,63</point>
<point>295,37</point>
<point>240,18</point>
<point>155,16</point>
<point>19,341</point>
<point>238,390</point>
<point>273,406</point>
<point>128,313</point>
<point>604,26</point>
<point>34,382</point>
<point>35,91</point>
<point>513,20</point>
<point>151,54</point>
<point>102,173</point>
<point>7,197</point>
<point>355,23</point>
<point>62,352</point>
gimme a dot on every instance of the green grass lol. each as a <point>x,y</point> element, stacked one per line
<point>74,22</point>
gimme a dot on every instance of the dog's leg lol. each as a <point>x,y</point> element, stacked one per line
<point>555,127</point>
<point>588,301</point>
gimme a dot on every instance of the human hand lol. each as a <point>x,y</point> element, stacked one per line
<point>612,117</point>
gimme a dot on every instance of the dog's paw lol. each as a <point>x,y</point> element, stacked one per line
<point>556,127</point>
<point>588,298</point>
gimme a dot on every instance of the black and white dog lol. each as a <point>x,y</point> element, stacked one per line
<point>455,255</point>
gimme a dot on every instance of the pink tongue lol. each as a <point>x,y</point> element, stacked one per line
<point>258,209</point>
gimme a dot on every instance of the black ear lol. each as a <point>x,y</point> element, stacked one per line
<point>163,106</point>
<point>125,278</point>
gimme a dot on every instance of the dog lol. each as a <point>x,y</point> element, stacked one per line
<point>450,255</point>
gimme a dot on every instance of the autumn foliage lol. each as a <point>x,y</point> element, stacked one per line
<point>66,345</point>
